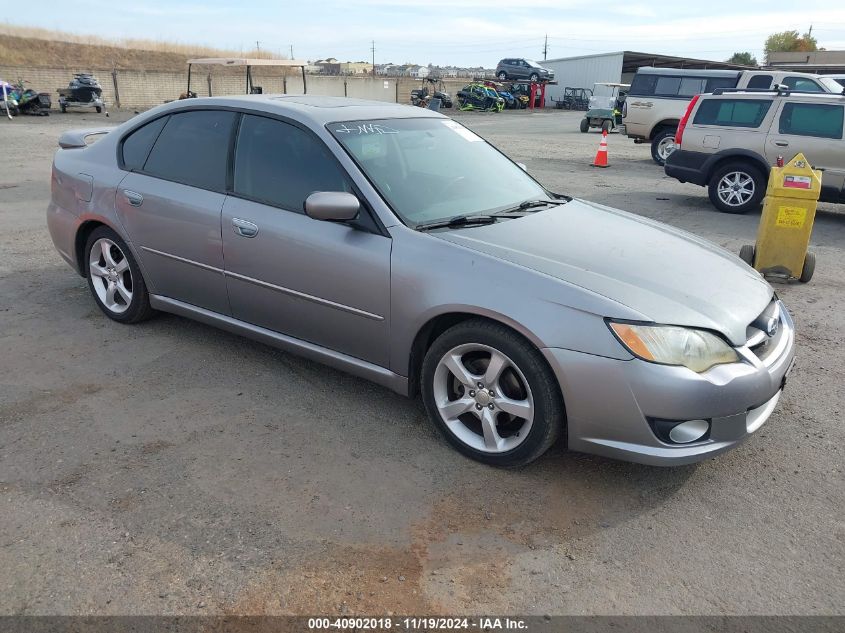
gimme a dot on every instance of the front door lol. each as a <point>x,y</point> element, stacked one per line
<point>322,282</point>
<point>170,205</point>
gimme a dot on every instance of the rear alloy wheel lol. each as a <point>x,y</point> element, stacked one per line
<point>492,394</point>
<point>115,279</point>
<point>736,188</point>
<point>502,76</point>
<point>662,145</point>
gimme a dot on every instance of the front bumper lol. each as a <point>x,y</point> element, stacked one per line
<point>609,402</point>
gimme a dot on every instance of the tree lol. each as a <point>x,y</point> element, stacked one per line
<point>789,41</point>
<point>746,59</point>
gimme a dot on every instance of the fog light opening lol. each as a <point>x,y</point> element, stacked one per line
<point>689,431</point>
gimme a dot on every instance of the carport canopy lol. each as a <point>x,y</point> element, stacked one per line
<point>248,63</point>
<point>632,60</point>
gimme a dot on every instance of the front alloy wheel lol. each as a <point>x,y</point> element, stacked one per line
<point>492,393</point>
<point>483,398</point>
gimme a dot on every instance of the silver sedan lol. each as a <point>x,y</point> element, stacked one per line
<point>397,245</point>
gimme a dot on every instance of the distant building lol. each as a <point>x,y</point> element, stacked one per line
<point>356,68</point>
<point>328,66</point>
<point>820,62</point>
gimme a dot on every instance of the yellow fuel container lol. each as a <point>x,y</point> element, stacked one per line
<point>789,211</point>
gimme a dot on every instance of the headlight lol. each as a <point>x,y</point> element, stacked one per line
<point>698,350</point>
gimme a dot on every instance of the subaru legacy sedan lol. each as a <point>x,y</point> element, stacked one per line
<point>395,244</point>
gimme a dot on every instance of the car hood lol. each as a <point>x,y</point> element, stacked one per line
<point>665,274</point>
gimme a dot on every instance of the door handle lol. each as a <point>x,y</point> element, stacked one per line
<point>134,198</point>
<point>782,143</point>
<point>244,228</point>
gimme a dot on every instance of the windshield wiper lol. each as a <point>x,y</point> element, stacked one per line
<point>461,220</point>
<point>530,204</point>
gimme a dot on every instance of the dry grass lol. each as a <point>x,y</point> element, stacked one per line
<point>60,49</point>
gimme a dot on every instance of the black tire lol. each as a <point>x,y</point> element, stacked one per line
<point>533,77</point>
<point>606,126</point>
<point>98,109</point>
<point>739,167</point>
<point>138,309</point>
<point>809,267</point>
<point>659,138</point>
<point>502,76</point>
<point>549,418</point>
<point>746,254</point>
<point>585,125</point>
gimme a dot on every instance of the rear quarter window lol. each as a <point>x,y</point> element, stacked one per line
<point>812,119</point>
<point>137,146</point>
<point>732,112</point>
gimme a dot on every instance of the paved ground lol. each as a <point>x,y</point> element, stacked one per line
<point>173,468</point>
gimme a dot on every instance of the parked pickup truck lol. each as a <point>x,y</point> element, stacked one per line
<point>659,96</point>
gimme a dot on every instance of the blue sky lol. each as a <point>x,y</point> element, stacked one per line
<point>462,32</point>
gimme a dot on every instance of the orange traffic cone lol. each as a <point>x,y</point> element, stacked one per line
<point>601,155</point>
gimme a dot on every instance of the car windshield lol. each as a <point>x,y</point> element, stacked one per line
<point>832,85</point>
<point>434,169</point>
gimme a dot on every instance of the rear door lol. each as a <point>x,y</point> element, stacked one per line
<point>816,129</point>
<point>322,282</point>
<point>170,204</point>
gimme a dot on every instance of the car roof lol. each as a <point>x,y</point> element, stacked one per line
<point>683,72</point>
<point>317,109</point>
<point>773,94</point>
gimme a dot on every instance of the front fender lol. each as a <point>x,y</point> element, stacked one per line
<point>431,277</point>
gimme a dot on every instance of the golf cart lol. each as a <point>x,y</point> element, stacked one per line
<point>251,89</point>
<point>605,111</point>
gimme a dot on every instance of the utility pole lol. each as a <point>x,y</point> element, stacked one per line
<point>257,46</point>
<point>291,51</point>
<point>373,49</point>
<point>546,46</point>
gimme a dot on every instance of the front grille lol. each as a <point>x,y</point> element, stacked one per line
<point>760,338</point>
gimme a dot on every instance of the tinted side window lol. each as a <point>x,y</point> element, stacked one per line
<point>643,85</point>
<point>667,86</point>
<point>137,146</point>
<point>691,86</point>
<point>720,82</point>
<point>810,119</point>
<point>760,82</point>
<point>802,83</point>
<point>193,148</point>
<point>280,164</point>
<point>732,112</point>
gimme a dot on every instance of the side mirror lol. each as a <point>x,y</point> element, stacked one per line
<point>332,206</point>
<point>523,167</point>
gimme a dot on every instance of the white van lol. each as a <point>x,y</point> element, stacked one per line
<point>658,98</point>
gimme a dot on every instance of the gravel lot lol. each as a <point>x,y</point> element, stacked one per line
<point>173,468</point>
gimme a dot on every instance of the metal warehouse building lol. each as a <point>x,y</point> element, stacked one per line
<point>618,67</point>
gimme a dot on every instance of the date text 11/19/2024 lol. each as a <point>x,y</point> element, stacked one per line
<point>416,624</point>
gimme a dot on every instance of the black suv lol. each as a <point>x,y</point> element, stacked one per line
<point>518,68</point>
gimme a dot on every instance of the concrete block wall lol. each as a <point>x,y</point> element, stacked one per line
<point>141,90</point>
